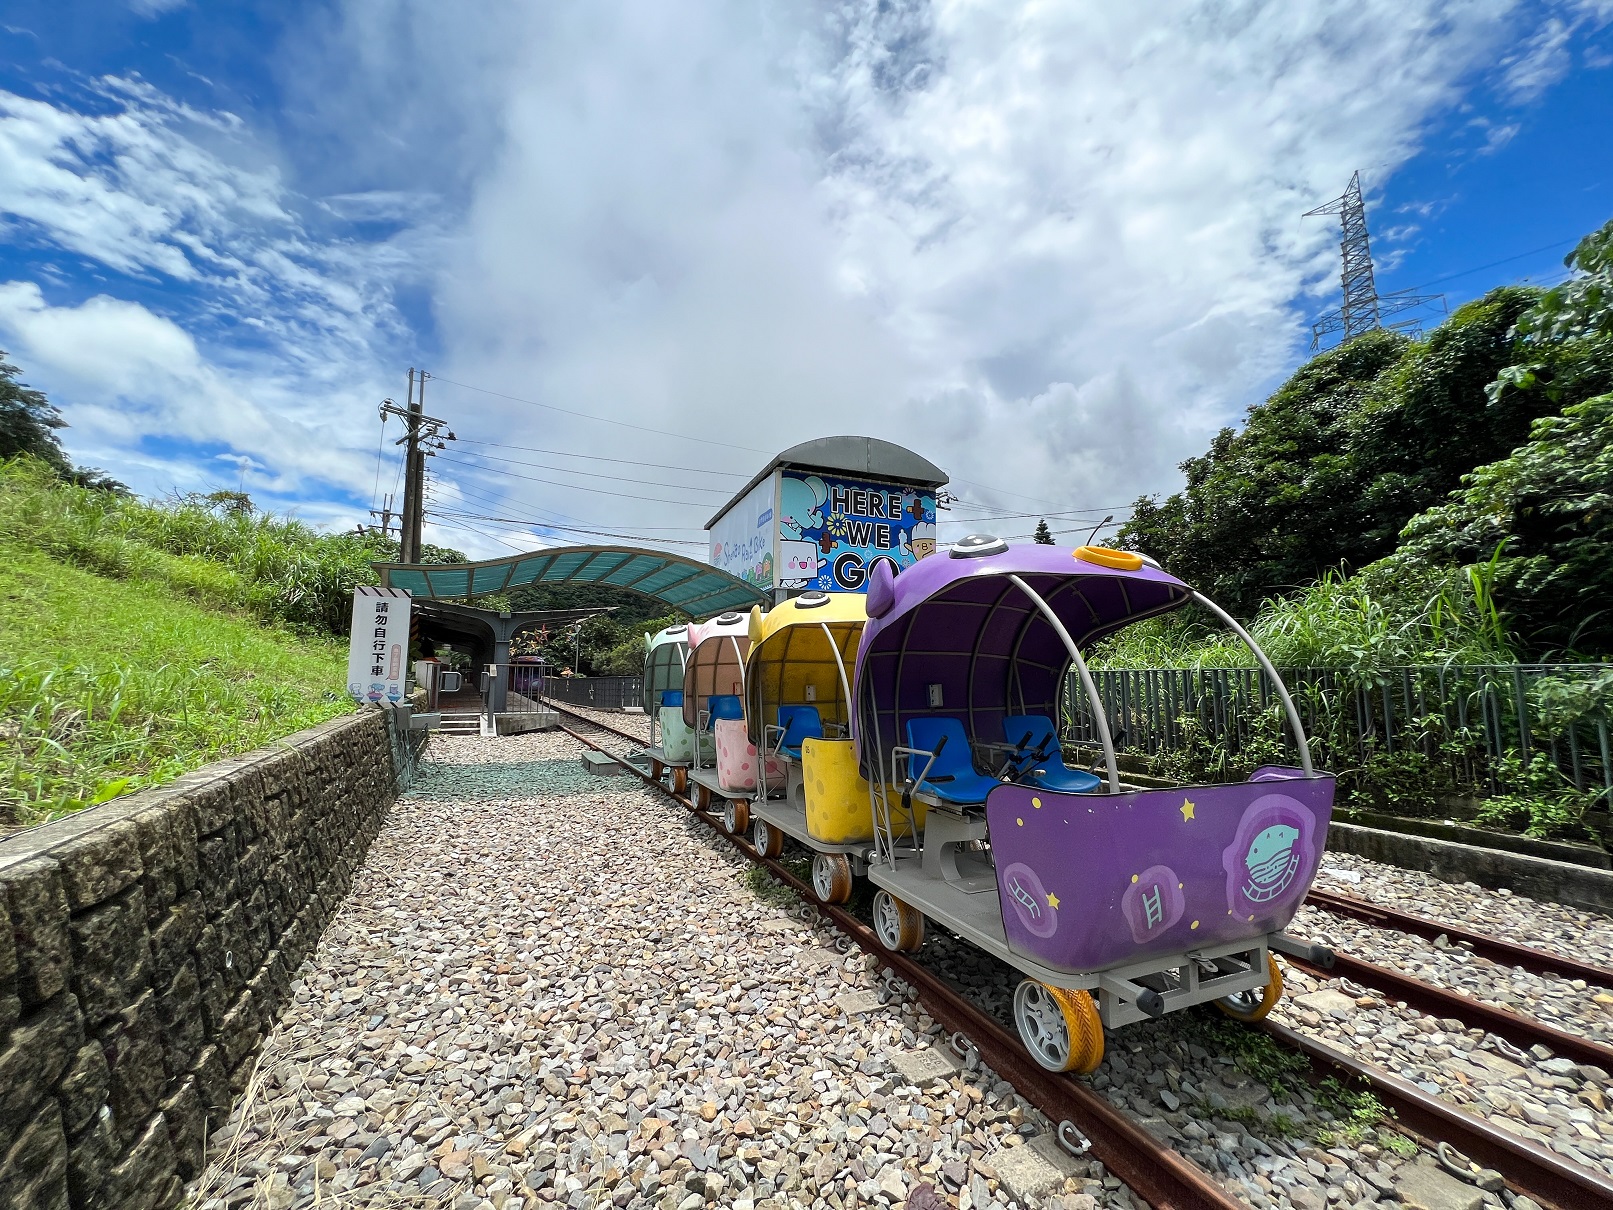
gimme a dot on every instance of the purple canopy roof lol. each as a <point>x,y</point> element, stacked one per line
<point>961,624</point>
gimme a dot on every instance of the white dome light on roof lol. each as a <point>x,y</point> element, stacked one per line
<point>727,619</point>
<point>977,546</point>
<point>811,600</point>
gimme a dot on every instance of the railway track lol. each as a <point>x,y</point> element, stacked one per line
<point>1156,1172</point>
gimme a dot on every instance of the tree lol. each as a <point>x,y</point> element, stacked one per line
<point>1043,534</point>
<point>28,422</point>
<point>1544,513</point>
<point>1326,473</point>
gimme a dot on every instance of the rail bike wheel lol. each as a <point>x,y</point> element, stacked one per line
<point>1059,1026</point>
<point>769,842</point>
<point>899,926</point>
<point>736,817</point>
<point>657,769</point>
<point>680,779</point>
<point>831,877</point>
<point>1253,1005</point>
<point>702,796</point>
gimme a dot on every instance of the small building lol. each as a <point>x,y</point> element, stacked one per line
<point>821,514</point>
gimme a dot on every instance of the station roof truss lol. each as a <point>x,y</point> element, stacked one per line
<point>683,583</point>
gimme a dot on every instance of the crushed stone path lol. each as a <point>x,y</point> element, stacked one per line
<point>549,988</point>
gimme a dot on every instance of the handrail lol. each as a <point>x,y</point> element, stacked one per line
<point>840,663</point>
<point>1294,720</point>
<point>1087,682</point>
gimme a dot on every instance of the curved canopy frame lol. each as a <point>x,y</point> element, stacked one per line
<point>677,581</point>
<point>717,651</point>
<point>667,655</point>
<point>803,642</point>
<point>963,637</point>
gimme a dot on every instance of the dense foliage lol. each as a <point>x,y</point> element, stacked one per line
<point>1544,510</point>
<point>1329,470</point>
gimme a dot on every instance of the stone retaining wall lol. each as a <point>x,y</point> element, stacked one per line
<point>1577,886</point>
<point>147,946</point>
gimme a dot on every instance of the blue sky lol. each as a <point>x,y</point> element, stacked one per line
<point>1053,250</point>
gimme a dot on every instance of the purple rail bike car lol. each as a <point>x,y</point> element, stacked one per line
<point>1116,902</point>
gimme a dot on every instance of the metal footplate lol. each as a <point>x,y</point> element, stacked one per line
<point>1162,985</point>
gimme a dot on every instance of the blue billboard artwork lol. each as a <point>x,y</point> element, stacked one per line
<point>832,531</point>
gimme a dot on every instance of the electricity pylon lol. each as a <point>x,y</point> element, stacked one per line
<point>1364,309</point>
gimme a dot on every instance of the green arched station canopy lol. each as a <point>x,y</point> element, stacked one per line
<point>696,588</point>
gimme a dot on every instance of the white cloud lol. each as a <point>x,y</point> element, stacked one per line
<point>1051,247</point>
<point>273,339</point>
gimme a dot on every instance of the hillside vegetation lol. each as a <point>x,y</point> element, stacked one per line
<point>1411,501</point>
<point>141,639</point>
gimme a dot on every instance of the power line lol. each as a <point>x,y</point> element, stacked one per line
<point>573,487</point>
<point>662,466</point>
<point>601,419</point>
<point>1493,264</point>
<point>497,502</point>
<point>627,537</point>
<point>689,487</point>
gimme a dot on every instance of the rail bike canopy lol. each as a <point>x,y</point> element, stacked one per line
<point>803,652</point>
<point>716,668</point>
<point>665,656</point>
<point>959,635</point>
<point>685,584</point>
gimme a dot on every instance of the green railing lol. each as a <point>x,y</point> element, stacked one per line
<point>1473,723</point>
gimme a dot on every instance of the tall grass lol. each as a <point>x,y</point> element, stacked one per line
<point>276,569</point>
<point>1361,624</point>
<point>107,686</point>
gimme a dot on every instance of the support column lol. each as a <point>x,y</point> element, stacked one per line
<point>497,694</point>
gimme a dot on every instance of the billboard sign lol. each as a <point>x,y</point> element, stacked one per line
<point>378,647</point>
<point>831,531</point>
<point>742,540</point>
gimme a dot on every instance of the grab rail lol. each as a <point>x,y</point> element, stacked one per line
<point>1087,682</point>
<point>1282,689</point>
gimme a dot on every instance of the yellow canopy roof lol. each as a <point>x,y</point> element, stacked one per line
<point>793,657</point>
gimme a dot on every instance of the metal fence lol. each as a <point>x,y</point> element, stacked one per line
<point>1466,718</point>
<point>600,692</point>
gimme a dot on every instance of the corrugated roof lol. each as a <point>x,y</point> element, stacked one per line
<point>694,587</point>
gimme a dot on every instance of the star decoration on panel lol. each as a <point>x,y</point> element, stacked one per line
<point>1187,810</point>
<point>1052,901</point>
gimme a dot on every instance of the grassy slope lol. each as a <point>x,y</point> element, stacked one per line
<point>107,685</point>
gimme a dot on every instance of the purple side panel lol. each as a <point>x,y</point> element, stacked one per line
<point>1090,881</point>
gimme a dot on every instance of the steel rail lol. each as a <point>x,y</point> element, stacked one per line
<point>1124,1147</point>
<point>1529,1168</point>
<point>1155,1172</point>
<point>1493,949</point>
<point>1523,1032</point>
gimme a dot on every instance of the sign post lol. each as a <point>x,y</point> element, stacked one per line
<point>377,653</point>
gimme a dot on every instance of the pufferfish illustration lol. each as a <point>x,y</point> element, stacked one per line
<point>1271,863</point>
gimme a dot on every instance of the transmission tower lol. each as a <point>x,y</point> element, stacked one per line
<point>1364,309</point>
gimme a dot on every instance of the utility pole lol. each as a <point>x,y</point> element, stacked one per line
<point>423,435</point>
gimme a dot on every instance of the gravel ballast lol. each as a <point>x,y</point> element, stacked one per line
<point>549,988</point>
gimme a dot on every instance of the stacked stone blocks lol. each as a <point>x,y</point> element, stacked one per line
<point>147,945</point>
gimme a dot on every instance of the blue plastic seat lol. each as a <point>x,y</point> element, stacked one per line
<point>952,777</point>
<point>800,723</point>
<point>724,705</point>
<point>1033,733</point>
<point>672,697</point>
